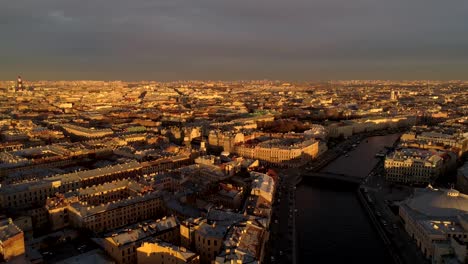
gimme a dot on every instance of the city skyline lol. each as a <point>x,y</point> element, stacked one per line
<point>210,40</point>
<point>206,172</point>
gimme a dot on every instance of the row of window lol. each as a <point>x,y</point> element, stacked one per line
<point>108,220</point>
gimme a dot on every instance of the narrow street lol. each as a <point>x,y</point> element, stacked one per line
<point>283,222</point>
<point>383,196</point>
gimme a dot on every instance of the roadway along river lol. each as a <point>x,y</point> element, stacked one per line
<point>332,227</point>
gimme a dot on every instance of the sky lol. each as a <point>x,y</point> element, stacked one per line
<point>233,39</point>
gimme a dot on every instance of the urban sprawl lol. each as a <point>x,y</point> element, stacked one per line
<point>191,171</point>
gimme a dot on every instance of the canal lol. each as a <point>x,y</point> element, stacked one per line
<point>331,225</point>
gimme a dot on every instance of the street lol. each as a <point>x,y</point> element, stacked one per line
<point>383,195</point>
<point>283,221</point>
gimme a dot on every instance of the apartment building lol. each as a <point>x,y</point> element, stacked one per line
<point>122,244</point>
<point>58,206</point>
<point>35,193</point>
<point>105,217</point>
<point>163,252</point>
<point>284,152</point>
<point>244,243</point>
<point>11,240</point>
<point>415,166</point>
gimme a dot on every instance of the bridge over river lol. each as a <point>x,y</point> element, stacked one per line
<point>332,176</point>
<point>330,218</point>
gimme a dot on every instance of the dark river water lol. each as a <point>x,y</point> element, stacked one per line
<point>332,227</point>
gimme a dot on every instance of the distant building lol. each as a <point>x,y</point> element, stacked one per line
<point>19,84</point>
<point>317,131</point>
<point>393,95</point>
<point>204,173</point>
<point>58,207</point>
<point>85,132</point>
<point>416,166</point>
<point>115,214</point>
<point>348,128</point>
<point>166,163</point>
<point>263,186</point>
<point>35,193</point>
<point>10,146</point>
<point>14,135</point>
<point>456,141</point>
<point>446,138</point>
<point>280,152</point>
<point>229,197</point>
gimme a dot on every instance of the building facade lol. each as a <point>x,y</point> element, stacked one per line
<point>414,166</point>
<point>35,193</point>
<point>11,241</point>
<point>432,217</point>
<point>122,244</point>
<point>116,214</point>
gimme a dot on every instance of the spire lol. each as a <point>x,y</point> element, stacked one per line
<point>19,83</point>
<point>202,143</point>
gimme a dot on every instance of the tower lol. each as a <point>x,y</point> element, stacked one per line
<point>19,83</point>
<point>202,143</point>
<point>393,96</point>
<point>187,141</point>
<point>203,147</point>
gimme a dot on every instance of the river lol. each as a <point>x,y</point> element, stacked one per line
<point>331,225</point>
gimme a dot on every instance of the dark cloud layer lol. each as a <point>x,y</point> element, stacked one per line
<point>242,39</point>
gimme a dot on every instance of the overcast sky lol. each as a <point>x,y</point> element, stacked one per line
<point>234,39</point>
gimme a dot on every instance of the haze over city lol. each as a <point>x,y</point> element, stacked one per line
<point>229,40</point>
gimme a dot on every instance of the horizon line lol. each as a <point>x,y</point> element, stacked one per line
<point>238,80</point>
